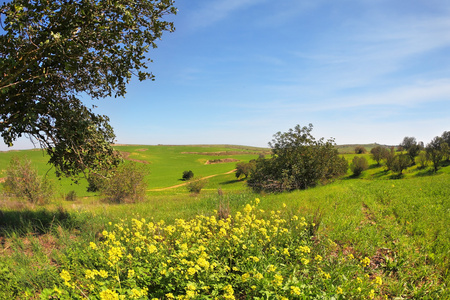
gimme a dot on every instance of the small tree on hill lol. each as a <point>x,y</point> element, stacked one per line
<point>434,152</point>
<point>379,153</point>
<point>244,168</point>
<point>358,165</point>
<point>401,162</point>
<point>187,175</point>
<point>389,158</point>
<point>360,150</point>
<point>412,147</point>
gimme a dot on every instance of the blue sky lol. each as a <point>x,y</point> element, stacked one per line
<point>238,71</point>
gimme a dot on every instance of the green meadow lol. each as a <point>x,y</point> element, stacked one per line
<point>376,236</point>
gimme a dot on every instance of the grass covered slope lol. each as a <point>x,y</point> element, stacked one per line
<point>377,236</point>
<point>165,164</point>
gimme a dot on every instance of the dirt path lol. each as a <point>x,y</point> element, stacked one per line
<point>178,185</point>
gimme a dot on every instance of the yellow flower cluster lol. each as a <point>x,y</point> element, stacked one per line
<point>247,255</point>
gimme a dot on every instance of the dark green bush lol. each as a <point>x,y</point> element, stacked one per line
<point>360,150</point>
<point>358,165</point>
<point>244,168</point>
<point>187,175</point>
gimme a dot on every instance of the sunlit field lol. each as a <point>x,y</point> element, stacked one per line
<point>376,236</point>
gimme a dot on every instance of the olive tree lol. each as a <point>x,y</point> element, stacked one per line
<point>298,161</point>
<point>51,52</point>
<point>378,153</point>
<point>358,165</point>
<point>434,152</point>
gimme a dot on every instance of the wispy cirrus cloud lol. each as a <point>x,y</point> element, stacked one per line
<point>215,11</point>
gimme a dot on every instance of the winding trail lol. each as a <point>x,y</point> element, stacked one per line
<point>182,184</point>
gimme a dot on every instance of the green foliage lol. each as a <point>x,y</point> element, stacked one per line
<point>298,162</point>
<point>71,196</point>
<point>245,168</point>
<point>22,180</point>
<point>390,159</point>
<point>52,52</point>
<point>195,185</point>
<point>378,153</point>
<point>126,184</point>
<point>422,159</point>
<point>401,162</point>
<point>360,150</point>
<point>187,175</point>
<point>412,147</point>
<point>358,165</point>
<point>434,152</point>
<point>9,287</point>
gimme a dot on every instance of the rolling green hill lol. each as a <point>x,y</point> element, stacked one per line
<point>376,236</point>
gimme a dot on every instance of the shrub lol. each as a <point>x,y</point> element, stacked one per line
<point>187,175</point>
<point>22,180</point>
<point>360,150</point>
<point>358,165</point>
<point>195,185</point>
<point>71,196</point>
<point>126,184</point>
<point>244,169</point>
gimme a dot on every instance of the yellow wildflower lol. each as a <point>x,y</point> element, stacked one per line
<point>109,295</point>
<point>378,280</point>
<point>295,290</point>
<point>365,261</point>
<point>93,245</point>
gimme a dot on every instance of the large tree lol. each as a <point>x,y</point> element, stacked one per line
<point>298,161</point>
<point>53,51</point>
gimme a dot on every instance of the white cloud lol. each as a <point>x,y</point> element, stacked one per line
<point>215,11</point>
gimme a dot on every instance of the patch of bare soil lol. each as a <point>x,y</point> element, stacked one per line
<point>220,161</point>
<point>142,150</point>
<point>181,184</point>
<point>125,155</point>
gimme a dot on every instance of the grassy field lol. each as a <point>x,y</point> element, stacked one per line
<point>378,236</point>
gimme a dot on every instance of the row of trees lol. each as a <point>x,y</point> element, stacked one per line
<point>299,161</point>
<point>412,151</point>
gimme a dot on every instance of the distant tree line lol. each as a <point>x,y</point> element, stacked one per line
<point>299,161</point>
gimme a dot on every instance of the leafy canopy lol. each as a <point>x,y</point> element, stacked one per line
<point>54,51</point>
<point>298,161</point>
